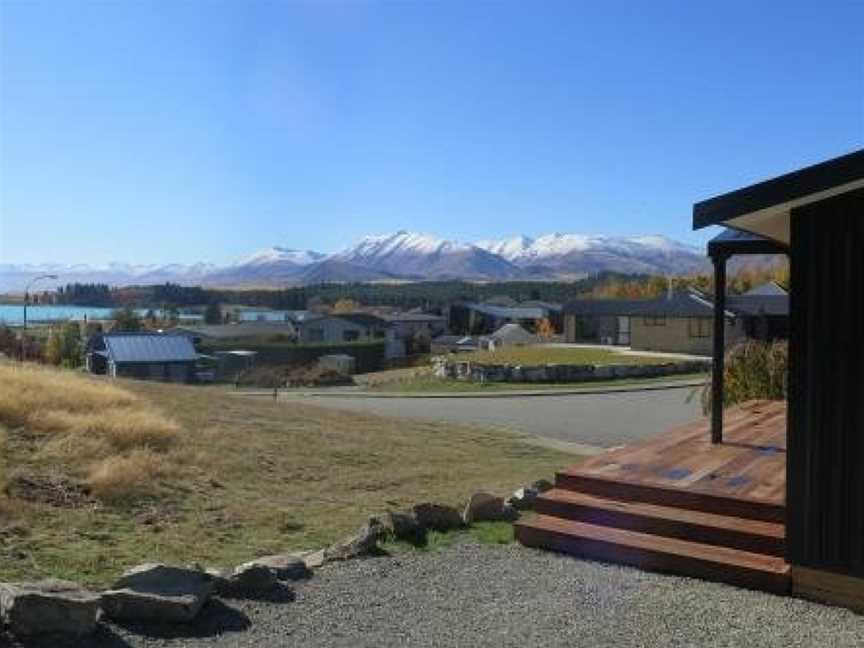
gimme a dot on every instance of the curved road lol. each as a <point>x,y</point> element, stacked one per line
<point>605,420</point>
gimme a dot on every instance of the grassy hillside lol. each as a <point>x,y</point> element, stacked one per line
<point>97,475</point>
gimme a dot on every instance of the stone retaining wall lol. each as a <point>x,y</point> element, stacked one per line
<point>561,373</point>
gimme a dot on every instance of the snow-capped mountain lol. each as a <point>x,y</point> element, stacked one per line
<point>423,256</point>
<point>579,253</point>
<point>397,256</point>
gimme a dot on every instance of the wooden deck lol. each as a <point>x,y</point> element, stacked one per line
<point>678,503</point>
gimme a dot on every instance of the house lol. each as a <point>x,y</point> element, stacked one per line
<point>415,331</point>
<point>679,322</point>
<point>486,318</point>
<point>270,315</point>
<point>148,356</point>
<point>341,328</point>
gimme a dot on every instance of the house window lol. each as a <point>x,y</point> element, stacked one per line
<point>654,320</point>
<point>700,327</point>
<point>350,336</point>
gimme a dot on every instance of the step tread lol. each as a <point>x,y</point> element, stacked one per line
<point>671,513</point>
<point>703,500</point>
<point>659,544</point>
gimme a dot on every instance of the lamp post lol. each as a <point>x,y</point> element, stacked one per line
<point>27,292</point>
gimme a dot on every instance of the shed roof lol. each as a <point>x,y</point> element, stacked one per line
<point>240,330</point>
<point>682,303</point>
<point>149,347</point>
<point>514,334</point>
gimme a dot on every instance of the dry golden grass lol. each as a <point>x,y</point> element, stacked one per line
<point>90,426</point>
<point>232,478</point>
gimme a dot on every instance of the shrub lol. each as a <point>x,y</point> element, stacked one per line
<point>753,371</point>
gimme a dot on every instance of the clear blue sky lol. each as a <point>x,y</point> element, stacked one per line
<point>183,131</point>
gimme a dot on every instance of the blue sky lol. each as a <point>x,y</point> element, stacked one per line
<point>183,131</point>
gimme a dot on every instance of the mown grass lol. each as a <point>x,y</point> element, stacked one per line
<point>551,354</point>
<point>431,384</point>
<point>229,477</point>
<point>489,533</point>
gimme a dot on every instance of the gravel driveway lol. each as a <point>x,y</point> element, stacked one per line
<point>602,420</point>
<point>475,595</point>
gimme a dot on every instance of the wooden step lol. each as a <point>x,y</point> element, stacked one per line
<point>707,528</point>
<point>573,479</point>
<point>656,553</point>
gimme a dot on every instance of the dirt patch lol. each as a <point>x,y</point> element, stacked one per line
<point>54,490</point>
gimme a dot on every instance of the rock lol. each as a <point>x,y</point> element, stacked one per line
<point>523,499</point>
<point>403,526</point>
<point>437,517</point>
<point>49,606</point>
<point>542,485</point>
<point>314,559</point>
<point>485,507</point>
<point>362,544</point>
<point>285,566</point>
<point>252,577</point>
<point>157,592</point>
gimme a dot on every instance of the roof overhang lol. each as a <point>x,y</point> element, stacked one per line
<point>764,208</point>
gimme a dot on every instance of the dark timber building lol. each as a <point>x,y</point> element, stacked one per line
<point>816,215</point>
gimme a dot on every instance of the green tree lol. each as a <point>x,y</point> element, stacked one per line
<point>63,347</point>
<point>126,319</point>
<point>213,314</point>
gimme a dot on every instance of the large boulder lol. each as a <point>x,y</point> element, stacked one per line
<point>485,507</point>
<point>250,577</point>
<point>157,592</point>
<point>403,526</point>
<point>363,543</point>
<point>48,606</point>
<point>437,517</point>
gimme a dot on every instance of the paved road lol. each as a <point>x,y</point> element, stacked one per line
<point>603,420</point>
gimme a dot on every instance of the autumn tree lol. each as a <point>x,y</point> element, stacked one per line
<point>63,347</point>
<point>126,319</point>
<point>544,329</point>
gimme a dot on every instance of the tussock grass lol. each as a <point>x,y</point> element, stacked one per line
<point>226,478</point>
<point>90,427</point>
<point>753,371</point>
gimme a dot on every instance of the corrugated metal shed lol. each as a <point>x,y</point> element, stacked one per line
<point>149,347</point>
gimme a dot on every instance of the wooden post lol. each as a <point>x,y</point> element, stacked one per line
<point>719,348</point>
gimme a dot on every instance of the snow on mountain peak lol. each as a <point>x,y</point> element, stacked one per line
<point>278,254</point>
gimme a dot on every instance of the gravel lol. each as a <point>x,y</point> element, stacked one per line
<point>482,595</point>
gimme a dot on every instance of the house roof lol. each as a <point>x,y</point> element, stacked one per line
<point>412,317</point>
<point>731,241</point>
<point>683,303</point>
<point>514,334</point>
<point>509,312</point>
<point>768,288</point>
<point>149,347</point>
<point>248,329</point>
<point>361,319</point>
<point>764,208</point>
<point>749,304</point>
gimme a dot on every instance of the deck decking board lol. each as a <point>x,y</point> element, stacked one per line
<point>677,502</point>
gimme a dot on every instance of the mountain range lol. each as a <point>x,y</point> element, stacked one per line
<point>400,256</point>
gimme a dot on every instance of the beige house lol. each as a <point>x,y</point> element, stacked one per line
<point>678,323</point>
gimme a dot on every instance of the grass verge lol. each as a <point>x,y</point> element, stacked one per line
<point>236,478</point>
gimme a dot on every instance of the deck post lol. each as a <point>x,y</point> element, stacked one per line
<point>717,399</point>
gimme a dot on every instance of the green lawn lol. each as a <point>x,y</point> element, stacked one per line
<point>242,478</point>
<point>430,384</point>
<point>540,355</point>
